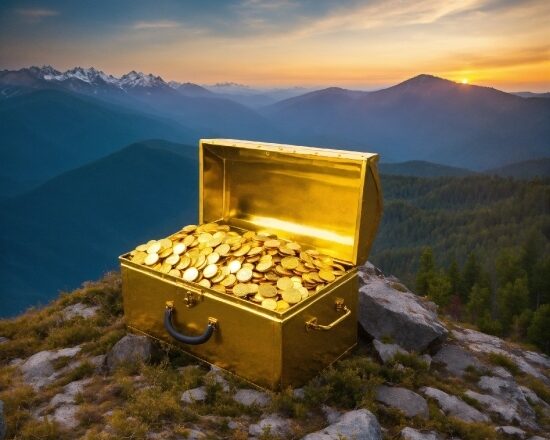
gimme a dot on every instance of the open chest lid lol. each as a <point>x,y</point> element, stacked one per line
<point>321,198</point>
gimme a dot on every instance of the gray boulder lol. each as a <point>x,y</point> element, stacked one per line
<point>456,359</point>
<point>403,316</point>
<point>273,423</point>
<point>387,352</point>
<point>454,406</point>
<point>403,399</point>
<point>504,409</point>
<point>38,370</point>
<point>2,421</point>
<point>65,415</point>
<point>249,397</point>
<point>216,375</point>
<point>359,424</point>
<point>69,392</point>
<point>194,395</point>
<point>414,434</point>
<point>130,348</point>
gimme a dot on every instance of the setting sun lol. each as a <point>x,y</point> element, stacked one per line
<point>465,81</point>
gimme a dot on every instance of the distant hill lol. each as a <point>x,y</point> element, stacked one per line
<point>46,132</point>
<point>424,118</point>
<point>73,227</point>
<point>528,169</point>
<point>420,168</point>
<point>533,95</point>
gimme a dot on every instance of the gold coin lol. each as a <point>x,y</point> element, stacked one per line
<point>326,275</point>
<point>223,272</point>
<point>292,296</point>
<point>175,273</point>
<point>290,262</point>
<point>189,228</point>
<point>303,292</point>
<point>282,306</point>
<point>210,270</point>
<point>165,243</point>
<point>139,258</point>
<point>241,290</point>
<point>242,250</point>
<point>179,248</point>
<point>151,259</point>
<point>255,251</point>
<point>153,248</point>
<point>213,258</point>
<point>252,288</point>
<point>269,303</point>
<point>285,283</point>
<point>267,290</point>
<point>188,241</point>
<point>244,275</point>
<point>165,268</point>
<point>172,259</point>
<point>184,263</point>
<point>190,274</point>
<point>165,253</point>
<point>285,250</point>
<point>229,280</point>
<point>218,288</point>
<point>142,248</point>
<point>264,266</point>
<point>258,298</point>
<point>234,266</point>
<point>204,283</point>
<point>272,243</point>
<point>222,249</point>
<point>201,261</point>
<point>293,246</point>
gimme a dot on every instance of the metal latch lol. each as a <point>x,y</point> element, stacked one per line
<point>192,298</point>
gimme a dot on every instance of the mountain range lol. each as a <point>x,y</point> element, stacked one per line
<point>424,118</point>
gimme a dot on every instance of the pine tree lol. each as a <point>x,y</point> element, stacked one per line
<point>426,271</point>
<point>479,304</point>
<point>470,275</point>
<point>453,274</point>
<point>512,299</point>
<point>439,289</point>
<point>539,330</point>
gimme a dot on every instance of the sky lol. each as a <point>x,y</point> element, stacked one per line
<point>283,43</point>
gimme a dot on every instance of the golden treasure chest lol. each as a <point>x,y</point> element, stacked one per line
<point>265,286</point>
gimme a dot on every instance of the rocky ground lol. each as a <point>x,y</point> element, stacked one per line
<point>70,370</point>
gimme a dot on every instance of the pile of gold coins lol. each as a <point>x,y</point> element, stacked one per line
<point>256,266</point>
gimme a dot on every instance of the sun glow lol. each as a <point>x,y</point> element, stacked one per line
<point>464,81</point>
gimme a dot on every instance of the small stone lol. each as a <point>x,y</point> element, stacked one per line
<point>249,397</point>
<point>427,358</point>
<point>80,310</point>
<point>331,414</point>
<point>511,431</point>
<point>193,434</point>
<point>456,359</point>
<point>414,434</point>
<point>386,352</point>
<point>194,395</point>
<point>3,340</point>
<point>454,406</point>
<point>131,348</point>
<point>215,374</point>
<point>69,392</point>
<point>502,372</point>
<point>359,424</point>
<point>298,393</point>
<point>273,423</point>
<point>403,399</point>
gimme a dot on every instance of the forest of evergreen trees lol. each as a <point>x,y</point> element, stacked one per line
<point>478,246</point>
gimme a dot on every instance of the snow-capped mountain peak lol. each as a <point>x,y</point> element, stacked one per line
<point>139,79</point>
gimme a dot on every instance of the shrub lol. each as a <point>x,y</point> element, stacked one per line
<point>502,360</point>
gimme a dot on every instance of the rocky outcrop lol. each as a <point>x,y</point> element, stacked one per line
<point>385,312</point>
<point>38,370</point>
<point>407,401</point>
<point>358,425</point>
<point>511,432</point>
<point>131,348</point>
<point>527,361</point>
<point>455,359</point>
<point>454,406</point>
<point>509,394</point>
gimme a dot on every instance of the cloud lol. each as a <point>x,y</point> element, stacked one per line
<point>156,24</point>
<point>35,15</point>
